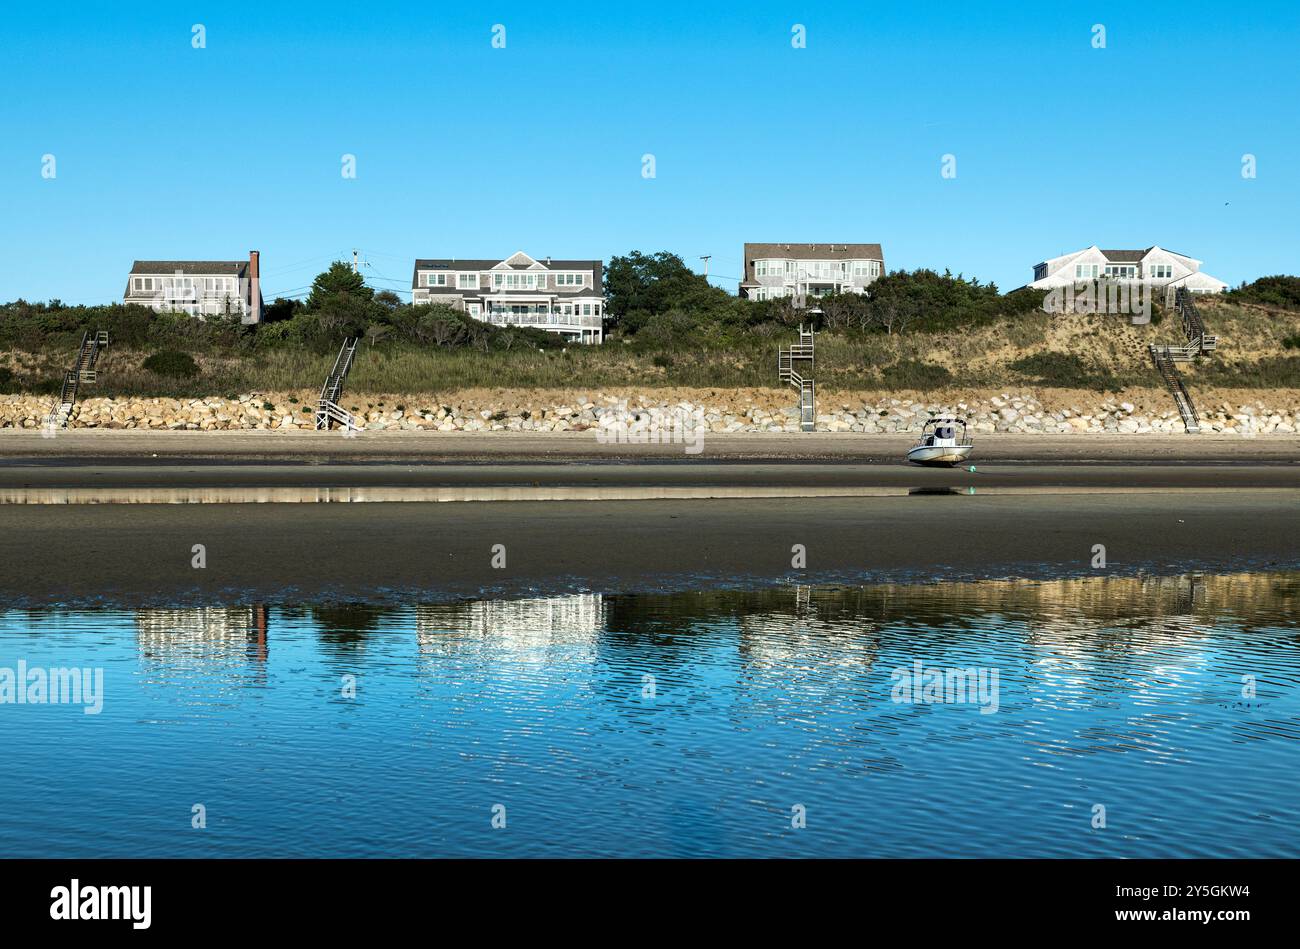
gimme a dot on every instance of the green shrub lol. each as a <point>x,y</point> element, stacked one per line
<point>1280,291</point>
<point>173,364</point>
<point>1291,342</point>
<point>1063,369</point>
<point>914,374</point>
<point>1272,372</point>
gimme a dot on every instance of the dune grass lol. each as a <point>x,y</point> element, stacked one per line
<point>1256,350</point>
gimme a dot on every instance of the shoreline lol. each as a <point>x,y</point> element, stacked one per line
<point>111,517</point>
<point>128,555</point>
<point>131,446</point>
<point>209,482</point>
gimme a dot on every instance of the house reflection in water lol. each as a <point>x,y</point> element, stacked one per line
<point>214,635</point>
<point>527,628</point>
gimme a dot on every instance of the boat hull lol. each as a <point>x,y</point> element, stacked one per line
<point>939,456</point>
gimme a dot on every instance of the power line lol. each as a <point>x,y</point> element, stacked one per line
<point>402,257</point>
<point>294,266</point>
<point>287,293</point>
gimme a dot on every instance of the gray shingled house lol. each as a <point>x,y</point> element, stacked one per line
<point>560,296</point>
<point>200,288</point>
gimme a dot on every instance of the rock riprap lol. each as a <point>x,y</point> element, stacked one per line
<point>713,410</point>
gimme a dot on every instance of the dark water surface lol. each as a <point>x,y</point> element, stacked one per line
<point>692,724</point>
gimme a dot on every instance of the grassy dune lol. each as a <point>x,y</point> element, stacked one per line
<point>1098,353</point>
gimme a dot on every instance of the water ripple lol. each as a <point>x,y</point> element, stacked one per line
<point>678,724</point>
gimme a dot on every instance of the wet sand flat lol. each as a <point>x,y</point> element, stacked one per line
<point>24,483</point>
<point>280,553</point>
<point>129,445</point>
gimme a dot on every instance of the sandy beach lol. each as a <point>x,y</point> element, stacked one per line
<point>284,553</point>
<point>580,515</point>
<point>17,446</point>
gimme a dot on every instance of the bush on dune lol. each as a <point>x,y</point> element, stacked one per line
<point>173,364</point>
<point>1277,291</point>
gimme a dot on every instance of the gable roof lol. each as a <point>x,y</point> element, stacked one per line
<point>520,261</point>
<point>595,267</point>
<point>231,267</point>
<point>1115,256</point>
<point>815,251</point>
<point>1132,256</point>
<point>451,263</point>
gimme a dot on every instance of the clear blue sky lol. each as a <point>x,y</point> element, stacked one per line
<point>166,151</point>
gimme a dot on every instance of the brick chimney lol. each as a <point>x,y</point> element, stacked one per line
<point>254,288</point>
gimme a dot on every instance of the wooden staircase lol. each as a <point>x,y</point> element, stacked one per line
<point>1165,357</point>
<point>786,359</point>
<point>83,370</point>
<point>328,410</point>
<point>1164,361</point>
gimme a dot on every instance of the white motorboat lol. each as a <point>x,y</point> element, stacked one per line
<point>943,443</point>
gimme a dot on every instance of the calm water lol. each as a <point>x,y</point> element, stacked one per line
<point>693,724</point>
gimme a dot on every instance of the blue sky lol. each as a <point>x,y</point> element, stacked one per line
<point>166,151</point>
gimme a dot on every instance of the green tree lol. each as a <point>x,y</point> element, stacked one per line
<point>339,279</point>
<point>931,301</point>
<point>1279,290</point>
<point>640,286</point>
<point>281,309</point>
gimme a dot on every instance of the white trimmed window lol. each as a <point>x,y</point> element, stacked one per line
<point>774,268</point>
<point>467,281</point>
<point>1121,270</point>
<point>1085,271</point>
<point>515,281</point>
<point>1161,271</point>
<point>435,279</point>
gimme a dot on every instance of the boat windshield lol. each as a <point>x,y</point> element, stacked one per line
<point>944,431</point>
